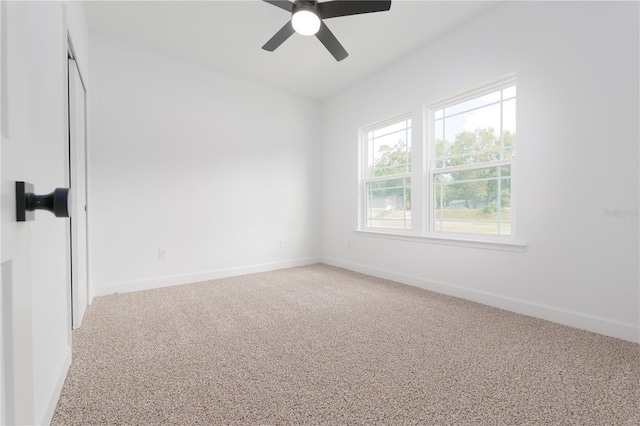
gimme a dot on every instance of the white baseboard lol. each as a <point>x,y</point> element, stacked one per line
<point>608,327</point>
<point>168,281</point>
<point>47,415</point>
<point>625,331</point>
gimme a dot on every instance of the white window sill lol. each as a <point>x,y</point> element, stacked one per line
<point>498,243</point>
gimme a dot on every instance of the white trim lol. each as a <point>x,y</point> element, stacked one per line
<point>76,165</point>
<point>387,177</point>
<point>466,167</point>
<point>596,324</point>
<point>460,240</point>
<point>168,281</point>
<point>47,415</point>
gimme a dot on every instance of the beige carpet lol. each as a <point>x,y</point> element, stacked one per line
<point>321,345</point>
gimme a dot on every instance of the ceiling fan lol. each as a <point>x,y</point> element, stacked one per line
<point>307,19</point>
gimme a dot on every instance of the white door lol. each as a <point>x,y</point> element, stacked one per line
<point>78,185</point>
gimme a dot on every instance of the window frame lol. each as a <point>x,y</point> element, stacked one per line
<point>430,169</point>
<point>363,155</point>
<point>421,175</point>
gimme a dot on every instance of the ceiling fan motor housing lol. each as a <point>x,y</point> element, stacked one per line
<point>300,5</point>
<point>304,4</point>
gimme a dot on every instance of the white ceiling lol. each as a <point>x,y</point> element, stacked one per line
<point>227,36</point>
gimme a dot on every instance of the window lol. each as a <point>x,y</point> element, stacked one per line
<point>463,189</point>
<point>472,146</point>
<point>386,180</point>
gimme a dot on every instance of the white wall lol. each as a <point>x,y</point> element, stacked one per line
<point>577,67</point>
<point>35,304</point>
<point>215,169</point>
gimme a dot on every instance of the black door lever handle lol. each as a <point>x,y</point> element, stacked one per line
<point>27,202</point>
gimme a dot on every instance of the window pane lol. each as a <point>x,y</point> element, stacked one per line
<point>509,128</point>
<point>509,92</point>
<point>473,201</point>
<point>505,228</point>
<point>389,152</point>
<point>509,116</point>
<point>440,153</point>
<point>389,204</point>
<point>481,135</point>
<point>472,137</point>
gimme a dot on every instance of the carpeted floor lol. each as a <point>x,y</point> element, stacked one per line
<point>321,345</point>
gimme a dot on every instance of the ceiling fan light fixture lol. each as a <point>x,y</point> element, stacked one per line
<point>305,22</point>
<point>307,19</point>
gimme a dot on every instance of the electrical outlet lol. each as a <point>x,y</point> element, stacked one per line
<point>283,243</point>
<point>162,253</point>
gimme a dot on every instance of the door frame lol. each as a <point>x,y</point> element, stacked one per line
<point>75,302</point>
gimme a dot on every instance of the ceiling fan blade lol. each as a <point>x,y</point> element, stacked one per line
<point>331,42</point>
<point>336,8</point>
<point>282,4</point>
<point>279,38</point>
